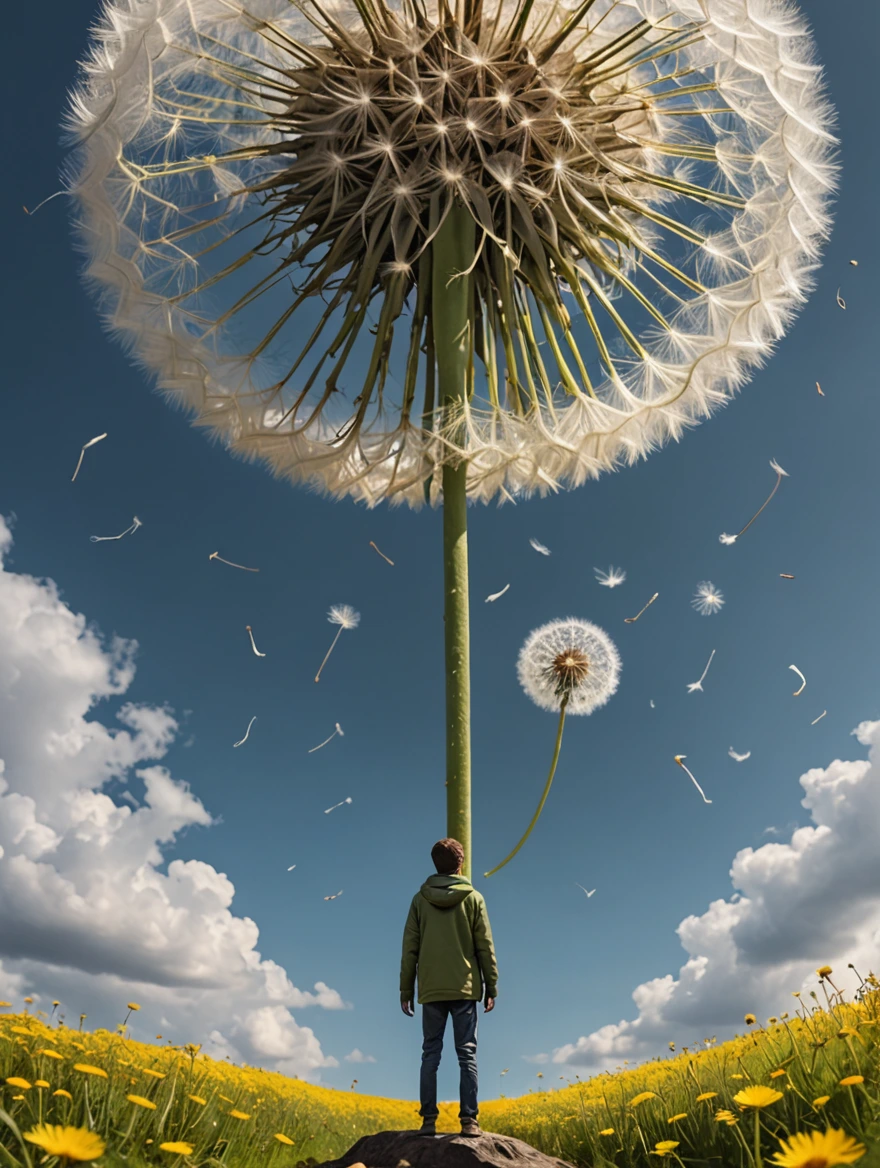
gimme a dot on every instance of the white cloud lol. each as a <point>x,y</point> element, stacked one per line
<point>797,905</point>
<point>357,1056</point>
<point>86,914</point>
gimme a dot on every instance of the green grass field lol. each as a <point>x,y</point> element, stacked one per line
<point>819,1070</point>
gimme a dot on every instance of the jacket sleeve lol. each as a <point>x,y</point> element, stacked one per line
<point>485,950</point>
<point>410,957</point>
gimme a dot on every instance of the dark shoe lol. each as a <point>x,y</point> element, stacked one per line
<point>428,1128</point>
<point>470,1127</point>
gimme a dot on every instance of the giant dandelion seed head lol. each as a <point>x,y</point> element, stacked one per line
<point>569,657</point>
<point>259,187</point>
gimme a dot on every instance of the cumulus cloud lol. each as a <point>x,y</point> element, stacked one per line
<point>358,1056</point>
<point>797,905</point>
<point>86,914</point>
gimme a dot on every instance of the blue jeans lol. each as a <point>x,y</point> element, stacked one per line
<point>464,1030</point>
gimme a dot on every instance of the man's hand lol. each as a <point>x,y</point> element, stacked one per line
<point>490,1004</point>
<point>407,1008</point>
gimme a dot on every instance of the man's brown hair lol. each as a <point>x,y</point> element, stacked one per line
<point>447,854</point>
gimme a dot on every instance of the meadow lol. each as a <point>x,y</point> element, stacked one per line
<point>795,1078</point>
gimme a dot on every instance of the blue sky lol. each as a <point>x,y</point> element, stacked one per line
<point>621,817</point>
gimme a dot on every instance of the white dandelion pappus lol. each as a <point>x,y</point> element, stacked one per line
<point>338,731</point>
<point>496,595</point>
<point>707,599</point>
<point>102,538</point>
<point>291,868</point>
<point>584,889</point>
<point>797,692</point>
<point>780,474</point>
<point>695,157</point>
<point>91,442</point>
<point>217,556</point>
<point>819,719</point>
<point>250,633</point>
<point>242,741</point>
<point>344,616</point>
<point>679,759</point>
<point>692,686</point>
<point>611,578</point>
<point>539,547</point>
<point>339,893</point>
<point>739,757</point>
<point>335,805</point>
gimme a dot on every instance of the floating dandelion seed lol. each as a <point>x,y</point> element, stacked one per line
<point>780,474</point>
<point>339,893</point>
<point>819,390</point>
<point>678,759</point>
<point>382,554</point>
<point>855,263</point>
<point>707,599</point>
<point>803,681</point>
<point>335,805</point>
<point>584,889</point>
<point>785,576</point>
<point>698,685</point>
<point>217,556</point>
<point>571,666</point>
<point>496,595</point>
<point>819,719</point>
<point>539,547</point>
<point>338,731</point>
<point>344,616</point>
<point>631,620</point>
<point>739,757</point>
<point>652,704</point>
<point>101,538</point>
<point>840,300</point>
<point>91,442</point>
<point>611,578</point>
<point>250,633</point>
<point>242,741</point>
<point>291,868</point>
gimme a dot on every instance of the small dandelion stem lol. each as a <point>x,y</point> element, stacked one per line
<point>329,651</point>
<point>761,508</point>
<point>217,556</point>
<point>629,620</point>
<point>555,760</point>
<point>758,1161</point>
<point>382,554</point>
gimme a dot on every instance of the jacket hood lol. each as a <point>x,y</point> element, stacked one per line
<point>446,891</point>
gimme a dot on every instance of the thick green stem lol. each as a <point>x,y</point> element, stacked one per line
<point>556,751</point>
<point>453,253</point>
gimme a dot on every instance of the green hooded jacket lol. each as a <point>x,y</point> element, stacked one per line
<point>448,938</point>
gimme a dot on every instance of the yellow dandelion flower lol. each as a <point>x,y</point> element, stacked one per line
<point>737,1076</point>
<point>64,1094</point>
<point>20,1030</point>
<point>239,1114</point>
<point>283,1139</point>
<point>41,1083</point>
<point>153,1074</point>
<point>133,1006</point>
<point>607,1131</point>
<point>730,1122</point>
<point>851,1080</point>
<point>3,1004</point>
<point>823,970</point>
<point>141,1101</point>
<point>757,1097</point>
<point>776,1074</point>
<point>198,1099</point>
<point>642,1097</point>
<point>178,1147</point>
<point>664,1147</point>
<point>771,1021</point>
<point>750,1019</point>
<point>88,1069</point>
<point>707,1095</point>
<point>18,1096</point>
<point>844,1030</point>
<point>821,1101</point>
<point>73,1143</point>
<point>51,1054</point>
<point>818,1149</point>
<point>28,1000</point>
<point>15,1081</point>
<point>676,1118</point>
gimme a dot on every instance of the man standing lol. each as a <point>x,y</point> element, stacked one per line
<point>447,936</point>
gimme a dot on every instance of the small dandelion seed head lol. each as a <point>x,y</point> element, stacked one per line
<point>345,615</point>
<point>725,538</point>
<point>569,657</point>
<point>611,578</point>
<point>707,599</point>
<point>778,468</point>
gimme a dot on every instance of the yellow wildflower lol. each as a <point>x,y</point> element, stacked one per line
<point>15,1081</point>
<point>88,1069</point>
<point>154,1074</point>
<point>73,1143</point>
<point>133,1006</point>
<point>771,1021</point>
<point>198,1099</point>
<point>844,1030</point>
<point>51,1054</point>
<point>28,1000</point>
<point>664,1147</point>
<point>676,1118</point>
<point>707,1095</point>
<point>851,1080</point>
<point>607,1131</point>
<point>818,1149</point>
<point>239,1114</point>
<point>4,1004</point>
<point>178,1147</point>
<point>757,1097</point>
<point>750,1019</point>
<point>64,1094</point>
<point>823,970</point>
<point>737,1076</point>
<point>821,1100</point>
<point>20,1030</point>
<point>283,1139</point>
<point>776,1074</point>
<point>41,1083</point>
<point>640,1098</point>
<point>141,1101</point>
